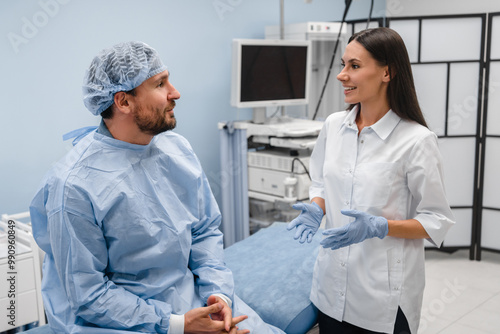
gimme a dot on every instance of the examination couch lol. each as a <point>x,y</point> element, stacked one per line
<point>272,274</point>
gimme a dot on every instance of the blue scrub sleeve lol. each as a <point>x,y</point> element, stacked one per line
<point>80,254</point>
<point>207,251</point>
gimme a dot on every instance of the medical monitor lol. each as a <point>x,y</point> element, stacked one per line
<point>268,73</point>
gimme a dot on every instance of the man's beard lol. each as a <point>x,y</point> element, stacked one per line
<point>155,123</point>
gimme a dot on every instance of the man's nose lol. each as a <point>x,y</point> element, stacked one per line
<point>173,94</point>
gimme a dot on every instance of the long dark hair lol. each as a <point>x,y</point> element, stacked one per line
<point>387,48</point>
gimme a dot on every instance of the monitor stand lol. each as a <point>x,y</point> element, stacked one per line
<point>259,115</point>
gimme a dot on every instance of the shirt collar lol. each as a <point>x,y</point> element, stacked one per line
<point>350,119</point>
<point>382,128</point>
<point>386,124</point>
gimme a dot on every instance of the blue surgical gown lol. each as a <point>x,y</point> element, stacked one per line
<point>130,234</point>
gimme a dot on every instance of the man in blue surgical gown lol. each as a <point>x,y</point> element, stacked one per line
<point>127,218</point>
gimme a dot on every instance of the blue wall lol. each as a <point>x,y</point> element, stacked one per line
<point>46,46</point>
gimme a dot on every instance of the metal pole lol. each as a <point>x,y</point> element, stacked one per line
<point>282,19</point>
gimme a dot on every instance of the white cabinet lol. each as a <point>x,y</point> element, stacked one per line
<point>20,292</point>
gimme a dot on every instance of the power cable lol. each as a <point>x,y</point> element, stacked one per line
<point>347,5</point>
<point>370,15</point>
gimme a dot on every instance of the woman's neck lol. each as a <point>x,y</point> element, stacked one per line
<point>370,114</point>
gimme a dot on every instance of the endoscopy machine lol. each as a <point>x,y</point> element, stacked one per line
<point>270,154</point>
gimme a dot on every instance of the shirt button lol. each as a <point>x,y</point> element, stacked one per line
<point>362,141</point>
<point>346,202</point>
<point>396,288</point>
<point>342,264</point>
<point>350,171</point>
<point>341,294</point>
<point>399,261</point>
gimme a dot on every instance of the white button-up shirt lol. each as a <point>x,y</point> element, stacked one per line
<point>391,169</point>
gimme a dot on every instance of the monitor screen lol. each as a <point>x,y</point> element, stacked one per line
<point>270,73</point>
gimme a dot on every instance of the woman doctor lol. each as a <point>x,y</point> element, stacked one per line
<point>377,175</point>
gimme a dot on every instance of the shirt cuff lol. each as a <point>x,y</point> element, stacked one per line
<point>224,298</point>
<point>176,324</point>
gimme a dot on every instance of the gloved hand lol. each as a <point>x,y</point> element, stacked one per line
<point>307,223</point>
<point>365,226</point>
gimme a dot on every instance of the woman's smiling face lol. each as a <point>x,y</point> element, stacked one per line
<point>363,78</point>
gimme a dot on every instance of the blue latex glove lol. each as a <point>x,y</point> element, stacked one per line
<point>364,226</point>
<point>307,223</point>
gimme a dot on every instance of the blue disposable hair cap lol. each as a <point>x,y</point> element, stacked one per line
<point>120,68</point>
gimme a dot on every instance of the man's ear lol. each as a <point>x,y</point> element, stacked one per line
<point>122,103</point>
